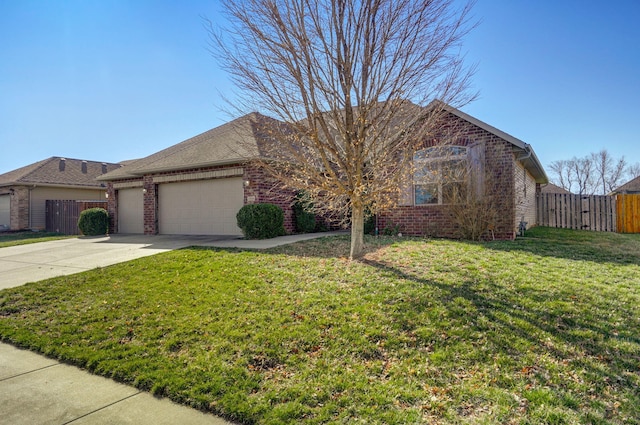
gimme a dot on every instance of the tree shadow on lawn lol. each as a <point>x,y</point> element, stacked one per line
<point>507,309</point>
<point>607,353</point>
<point>596,247</point>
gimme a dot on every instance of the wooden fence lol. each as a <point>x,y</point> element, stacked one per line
<point>628,213</point>
<point>576,211</point>
<point>62,215</point>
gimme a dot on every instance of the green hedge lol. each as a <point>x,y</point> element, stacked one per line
<point>94,222</point>
<point>305,220</point>
<point>261,221</point>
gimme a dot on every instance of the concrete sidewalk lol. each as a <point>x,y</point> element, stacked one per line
<point>37,390</point>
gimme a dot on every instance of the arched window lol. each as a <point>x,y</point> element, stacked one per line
<point>440,175</point>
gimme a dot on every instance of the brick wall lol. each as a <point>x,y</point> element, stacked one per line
<point>525,196</point>
<point>19,209</point>
<point>437,220</point>
<point>149,205</point>
<point>262,188</point>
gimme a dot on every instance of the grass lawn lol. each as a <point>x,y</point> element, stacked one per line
<point>22,238</point>
<point>543,330</point>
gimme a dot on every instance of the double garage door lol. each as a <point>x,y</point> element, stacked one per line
<point>201,207</point>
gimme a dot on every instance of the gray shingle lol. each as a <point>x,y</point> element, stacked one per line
<point>75,172</point>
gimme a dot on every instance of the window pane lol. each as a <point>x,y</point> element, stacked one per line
<point>454,170</point>
<point>458,150</point>
<point>426,194</point>
<point>426,172</point>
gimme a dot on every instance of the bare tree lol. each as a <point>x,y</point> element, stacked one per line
<point>609,172</point>
<point>633,171</point>
<point>583,171</point>
<point>563,174</point>
<point>350,79</point>
<point>594,173</point>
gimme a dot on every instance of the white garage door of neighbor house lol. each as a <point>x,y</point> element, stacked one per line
<point>201,207</point>
<point>5,211</point>
<point>130,210</point>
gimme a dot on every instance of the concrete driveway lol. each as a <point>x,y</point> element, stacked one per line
<point>32,262</point>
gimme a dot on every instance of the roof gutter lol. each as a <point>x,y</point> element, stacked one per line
<point>527,150</point>
<point>142,171</point>
<point>529,156</point>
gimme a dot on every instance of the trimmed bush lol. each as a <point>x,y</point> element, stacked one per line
<point>94,222</point>
<point>370,224</point>
<point>305,220</point>
<point>261,221</point>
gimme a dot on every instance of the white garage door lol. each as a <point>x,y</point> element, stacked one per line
<point>130,211</point>
<point>5,211</point>
<point>202,207</point>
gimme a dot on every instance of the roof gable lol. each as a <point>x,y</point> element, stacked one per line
<point>57,171</point>
<point>632,186</point>
<point>527,156</point>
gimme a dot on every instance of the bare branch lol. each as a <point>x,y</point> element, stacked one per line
<point>351,80</point>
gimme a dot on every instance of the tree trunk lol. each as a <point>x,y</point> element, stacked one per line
<point>357,231</point>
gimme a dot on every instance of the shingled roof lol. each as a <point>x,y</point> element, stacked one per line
<point>58,171</point>
<point>632,186</point>
<point>231,143</point>
<point>241,140</point>
<point>552,188</point>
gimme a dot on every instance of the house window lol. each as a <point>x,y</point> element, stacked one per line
<point>440,175</point>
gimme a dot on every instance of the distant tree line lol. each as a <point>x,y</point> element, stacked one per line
<point>594,174</point>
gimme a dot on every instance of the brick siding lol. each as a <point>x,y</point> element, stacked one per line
<point>263,188</point>
<point>437,220</point>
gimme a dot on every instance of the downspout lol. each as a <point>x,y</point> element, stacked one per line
<point>528,151</point>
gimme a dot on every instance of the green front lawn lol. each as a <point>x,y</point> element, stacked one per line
<point>544,330</point>
<point>22,238</point>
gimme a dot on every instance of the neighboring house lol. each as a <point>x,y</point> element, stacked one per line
<point>199,185</point>
<point>632,187</point>
<point>24,191</point>
<point>552,188</point>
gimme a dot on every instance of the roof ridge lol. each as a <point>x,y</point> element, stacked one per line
<point>87,160</point>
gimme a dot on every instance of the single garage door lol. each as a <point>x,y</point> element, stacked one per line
<point>130,210</point>
<point>5,211</point>
<point>201,207</point>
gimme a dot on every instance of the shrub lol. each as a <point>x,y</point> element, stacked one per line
<point>94,222</point>
<point>305,220</point>
<point>261,221</point>
<point>370,224</point>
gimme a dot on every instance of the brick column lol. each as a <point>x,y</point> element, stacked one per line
<point>150,206</point>
<point>112,203</point>
<point>19,216</point>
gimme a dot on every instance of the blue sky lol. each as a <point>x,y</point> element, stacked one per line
<point>121,79</point>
